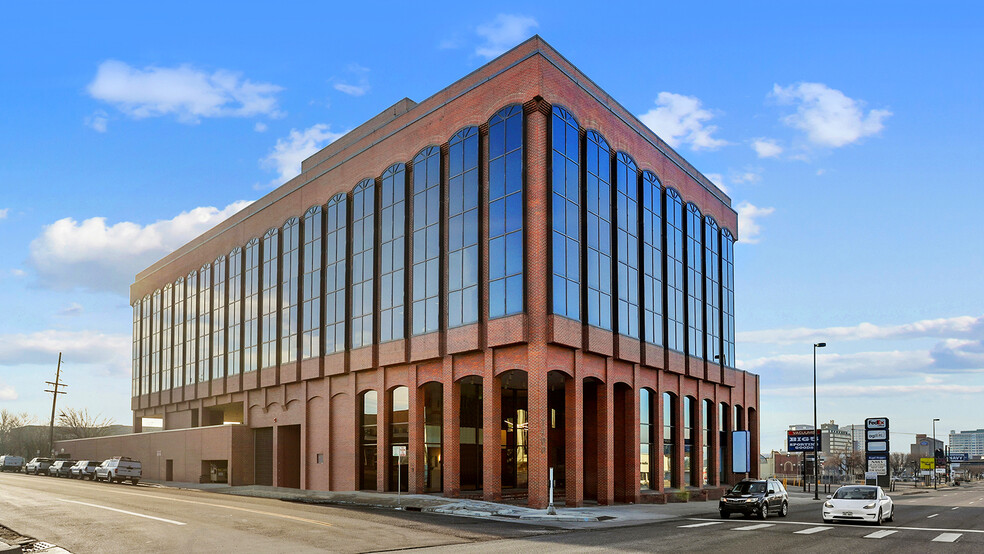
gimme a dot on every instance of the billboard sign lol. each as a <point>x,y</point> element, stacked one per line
<point>802,440</point>
<point>741,454</point>
<point>876,423</point>
<point>926,463</point>
<point>877,435</point>
<point>878,466</point>
<point>961,457</point>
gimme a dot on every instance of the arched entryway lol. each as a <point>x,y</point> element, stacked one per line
<point>368,418</point>
<point>514,439</point>
<point>557,429</point>
<point>623,442</point>
<point>433,398</point>
<point>399,435</point>
<point>470,426</point>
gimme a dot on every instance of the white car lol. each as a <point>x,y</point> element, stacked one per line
<point>859,503</point>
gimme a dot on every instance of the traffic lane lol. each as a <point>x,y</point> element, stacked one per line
<point>36,506</point>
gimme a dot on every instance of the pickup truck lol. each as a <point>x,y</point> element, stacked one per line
<point>119,469</point>
<point>38,466</point>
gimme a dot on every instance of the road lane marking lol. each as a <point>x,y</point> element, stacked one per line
<point>172,522</point>
<point>705,524</point>
<point>899,527</point>
<point>754,527</point>
<point>947,537</point>
<point>932,516</point>
<point>954,508</point>
<point>812,530</point>
<point>261,512</point>
<point>880,534</point>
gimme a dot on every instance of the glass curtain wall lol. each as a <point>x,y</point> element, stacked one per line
<point>647,424</point>
<point>235,316</point>
<point>179,333</point>
<point>652,258</point>
<point>363,235</point>
<point>311,285</point>
<point>336,224</point>
<point>145,334</point>
<point>463,213</point>
<point>673,218</point>
<point>392,252</point>
<point>218,318</point>
<point>506,212</point>
<point>669,440</point>
<point>155,341</point>
<point>268,299</point>
<point>290,263</point>
<point>426,241</point>
<point>712,291</point>
<point>167,299</point>
<point>135,368</point>
<point>728,296</point>
<point>566,206</point>
<point>627,244</point>
<point>694,283</point>
<point>251,307</point>
<point>204,322</point>
<point>191,328</point>
<point>598,200</point>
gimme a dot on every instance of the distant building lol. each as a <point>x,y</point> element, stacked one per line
<point>967,442</point>
<point>923,448</point>
<point>834,439</point>
<point>857,436</point>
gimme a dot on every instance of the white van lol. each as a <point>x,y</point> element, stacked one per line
<point>11,463</point>
<point>119,469</point>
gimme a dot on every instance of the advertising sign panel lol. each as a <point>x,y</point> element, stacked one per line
<point>877,446</point>
<point>878,467</point>
<point>801,440</point>
<point>925,463</point>
<point>741,453</point>
<point>961,457</point>
<point>876,423</point>
<point>877,435</point>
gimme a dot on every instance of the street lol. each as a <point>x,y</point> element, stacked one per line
<point>93,517</point>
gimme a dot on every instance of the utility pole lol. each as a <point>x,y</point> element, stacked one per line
<point>54,398</point>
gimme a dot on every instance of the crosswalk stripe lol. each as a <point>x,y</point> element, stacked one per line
<point>954,508</point>
<point>880,534</point>
<point>812,530</point>
<point>947,537</point>
<point>701,524</point>
<point>754,527</point>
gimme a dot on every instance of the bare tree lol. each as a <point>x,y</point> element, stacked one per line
<point>79,424</point>
<point>9,421</point>
<point>899,462</point>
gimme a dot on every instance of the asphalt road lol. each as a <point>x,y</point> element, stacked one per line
<point>84,516</point>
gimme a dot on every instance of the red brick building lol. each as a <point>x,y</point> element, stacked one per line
<point>512,275</point>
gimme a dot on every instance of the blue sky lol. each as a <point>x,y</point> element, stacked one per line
<point>846,134</point>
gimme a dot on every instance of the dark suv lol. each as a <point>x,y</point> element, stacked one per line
<point>758,497</point>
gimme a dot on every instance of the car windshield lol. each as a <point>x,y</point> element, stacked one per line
<point>856,493</point>
<point>749,488</point>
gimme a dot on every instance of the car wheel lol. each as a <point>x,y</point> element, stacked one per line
<point>878,519</point>
<point>828,521</point>
<point>763,511</point>
<point>134,481</point>
<point>725,515</point>
<point>891,515</point>
<point>784,510</point>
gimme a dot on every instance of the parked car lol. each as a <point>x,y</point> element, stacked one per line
<point>758,497</point>
<point>119,469</point>
<point>84,469</point>
<point>61,468</point>
<point>38,466</point>
<point>858,503</point>
<point>11,463</point>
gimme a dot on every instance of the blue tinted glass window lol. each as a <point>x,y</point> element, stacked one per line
<point>728,296</point>
<point>694,282</point>
<point>627,244</point>
<point>218,317</point>
<point>392,252</point>
<point>268,299</point>
<point>363,237</point>
<point>235,314</point>
<point>712,290</point>
<point>178,353</point>
<point>167,298</point>
<point>135,360</point>
<point>463,258</point>
<point>145,334</point>
<point>191,328</point>
<point>426,241</point>
<point>566,216</point>
<point>155,341</point>
<point>598,219</point>
<point>673,219</point>
<point>506,212</point>
<point>652,258</point>
<point>204,322</point>
<point>336,216</point>
<point>289,289</point>
<point>251,306</point>
<point>311,259</point>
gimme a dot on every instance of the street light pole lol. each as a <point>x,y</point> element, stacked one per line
<point>934,452</point>
<point>816,447</point>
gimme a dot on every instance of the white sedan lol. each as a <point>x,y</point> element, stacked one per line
<point>859,503</point>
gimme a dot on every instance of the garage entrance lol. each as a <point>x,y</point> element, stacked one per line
<point>263,455</point>
<point>289,456</point>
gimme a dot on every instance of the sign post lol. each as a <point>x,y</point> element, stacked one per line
<point>877,449</point>
<point>399,452</point>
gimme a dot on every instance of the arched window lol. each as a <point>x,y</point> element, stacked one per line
<point>135,369</point>
<point>289,289</point>
<point>426,241</point>
<point>599,231</point>
<point>368,416</point>
<point>363,237</point>
<point>723,431</point>
<point>652,258</point>
<point>155,341</point>
<point>647,438</point>
<point>463,214</point>
<point>669,439</point>
<point>627,244</point>
<point>218,317</point>
<point>566,219</point>
<point>145,349</point>
<point>399,435</point>
<point>739,418</point>
<point>694,282</point>
<point>728,297</point>
<point>311,284</point>
<point>268,299</point>
<point>251,307</point>
<point>191,328</point>
<point>167,299</point>
<point>673,217</point>
<point>712,291</point>
<point>178,378</point>
<point>204,322</point>
<point>234,338</point>
<point>336,228</point>
<point>689,433</point>
<point>506,212</point>
<point>705,435</point>
<point>392,252</point>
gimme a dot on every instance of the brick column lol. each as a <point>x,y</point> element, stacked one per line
<point>451,438</point>
<point>606,452</point>
<point>492,425</point>
<point>415,448</point>
<point>678,482</point>
<point>574,434</point>
<point>633,456</point>
<point>382,435</point>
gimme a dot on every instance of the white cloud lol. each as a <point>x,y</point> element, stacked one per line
<point>7,392</point>
<point>747,176</point>
<point>95,256</point>
<point>72,310</point>
<point>187,92</point>
<point>260,127</point>
<point>680,119</point>
<point>352,90</point>
<point>841,367</point>
<point>718,180</point>
<point>871,391</point>
<point>289,152</point>
<point>827,116</point>
<point>18,272</point>
<point>953,327</point>
<point>766,147</point>
<point>97,121</point>
<point>4,212</point>
<point>748,221</point>
<point>112,352</point>
<point>504,32</point>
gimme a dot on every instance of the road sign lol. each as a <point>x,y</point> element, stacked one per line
<point>876,423</point>
<point>926,463</point>
<point>871,475</point>
<point>400,450</point>
<point>801,440</point>
<point>961,457</point>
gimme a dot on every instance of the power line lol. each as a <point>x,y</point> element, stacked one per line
<point>54,398</point>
